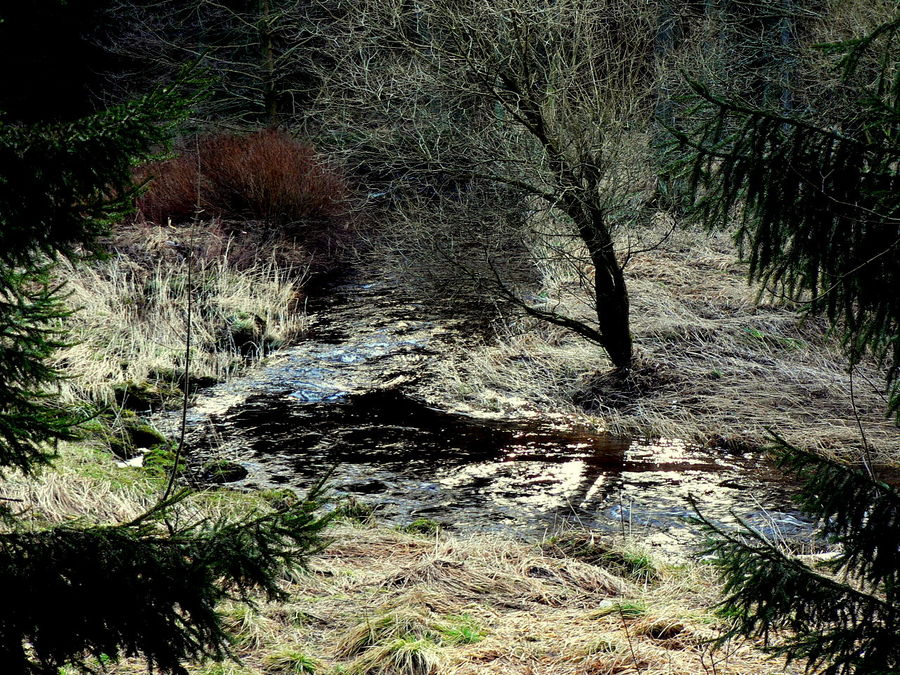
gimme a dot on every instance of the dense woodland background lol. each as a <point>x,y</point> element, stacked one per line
<point>186,167</point>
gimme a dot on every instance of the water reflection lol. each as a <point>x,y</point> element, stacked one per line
<point>319,403</point>
<point>485,474</point>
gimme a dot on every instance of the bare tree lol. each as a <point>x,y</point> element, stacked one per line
<point>533,116</point>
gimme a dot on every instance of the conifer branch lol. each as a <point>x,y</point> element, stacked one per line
<point>832,625</point>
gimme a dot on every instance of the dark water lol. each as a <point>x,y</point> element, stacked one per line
<point>415,461</point>
<point>340,400</point>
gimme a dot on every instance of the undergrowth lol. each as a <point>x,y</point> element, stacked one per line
<point>127,339</point>
<point>265,180</point>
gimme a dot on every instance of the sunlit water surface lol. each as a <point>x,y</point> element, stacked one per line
<point>332,403</point>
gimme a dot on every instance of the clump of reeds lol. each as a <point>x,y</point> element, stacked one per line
<point>130,323</point>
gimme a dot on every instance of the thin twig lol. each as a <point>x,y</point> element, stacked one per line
<point>187,371</point>
<point>634,660</point>
<point>867,449</point>
<point>179,451</point>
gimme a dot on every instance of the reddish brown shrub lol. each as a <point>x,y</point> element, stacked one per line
<point>265,176</point>
<point>271,177</point>
<point>173,190</point>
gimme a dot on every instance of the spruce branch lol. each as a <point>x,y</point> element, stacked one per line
<point>841,616</point>
<point>816,202</point>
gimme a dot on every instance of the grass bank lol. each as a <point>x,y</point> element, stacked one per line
<point>418,601</point>
<point>222,240</point>
<point>127,335</point>
<point>383,601</point>
<point>714,364</point>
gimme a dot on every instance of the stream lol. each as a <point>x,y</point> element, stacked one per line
<point>343,400</point>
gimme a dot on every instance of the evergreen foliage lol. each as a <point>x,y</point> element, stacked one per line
<point>139,589</point>
<point>818,203</point>
<point>842,616</point>
<point>63,184</point>
<point>29,333</point>
<point>146,588</point>
<point>819,209</point>
<point>261,55</point>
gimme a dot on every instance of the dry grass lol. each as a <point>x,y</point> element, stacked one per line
<point>535,614</point>
<point>131,322</point>
<point>89,485</point>
<point>713,364</point>
<point>539,614</point>
<point>384,601</point>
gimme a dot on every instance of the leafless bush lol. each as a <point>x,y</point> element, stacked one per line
<point>265,186</point>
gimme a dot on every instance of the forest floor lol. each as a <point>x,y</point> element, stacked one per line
<point>419,601</point>
<point>713,366</point>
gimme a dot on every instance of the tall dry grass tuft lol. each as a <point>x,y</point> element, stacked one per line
<point>131,320</point>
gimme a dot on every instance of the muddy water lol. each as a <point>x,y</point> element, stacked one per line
<point>341,400</point>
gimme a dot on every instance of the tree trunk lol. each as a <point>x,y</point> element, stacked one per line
<point>612,310</point>
<point>668,36</point>
<point>787,63</point>
<point>267,47</point>
<point>609,283</point>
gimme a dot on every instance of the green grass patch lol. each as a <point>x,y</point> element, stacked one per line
<point>627,609</point>
<point>354,510</point>
<point>774,341</point>
<point>460,629</point>
<point>630,609</point>
<point>423,526</point>
<point>584,546</point>
<point>289,662</point>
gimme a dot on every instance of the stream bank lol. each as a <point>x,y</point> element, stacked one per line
<point>344,400</point>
